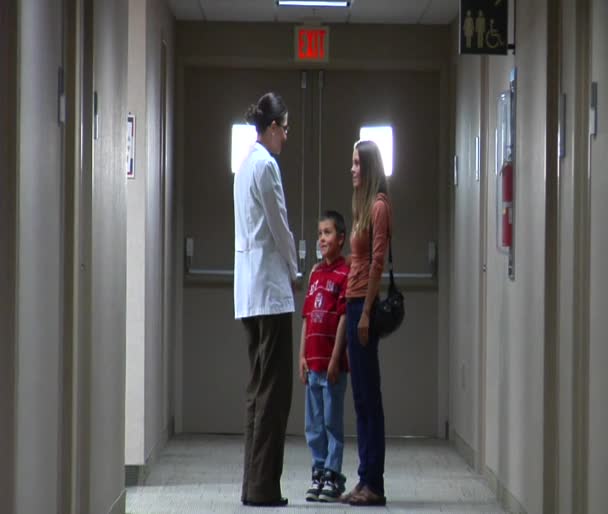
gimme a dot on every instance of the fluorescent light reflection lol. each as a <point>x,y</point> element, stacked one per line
<point>243,136</point>
<point>383,137</point>
<point>313,3</point>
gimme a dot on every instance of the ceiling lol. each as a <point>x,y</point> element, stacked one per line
<point>425,12</point>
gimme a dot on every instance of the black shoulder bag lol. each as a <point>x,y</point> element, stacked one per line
<point>387,313</point>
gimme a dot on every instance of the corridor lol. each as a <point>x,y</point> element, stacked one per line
<point>201,474</point>
<point>122,123</point>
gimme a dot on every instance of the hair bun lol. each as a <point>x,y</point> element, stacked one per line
<point>269,107</point>
<point>253,114</point>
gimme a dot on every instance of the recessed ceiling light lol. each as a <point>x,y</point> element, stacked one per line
<point>314,3</point>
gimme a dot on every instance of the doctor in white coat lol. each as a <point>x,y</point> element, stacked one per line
<point>265,268</point>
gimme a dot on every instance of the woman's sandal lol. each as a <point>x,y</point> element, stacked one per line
<point>345,498</point>
<point>365,497</point>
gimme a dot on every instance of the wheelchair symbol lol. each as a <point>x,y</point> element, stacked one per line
<point>493,39</point>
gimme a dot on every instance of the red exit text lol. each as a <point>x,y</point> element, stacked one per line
<point>311,44</point>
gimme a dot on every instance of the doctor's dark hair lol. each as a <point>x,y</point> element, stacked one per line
<point>337,219</point>
<point>270,107</point>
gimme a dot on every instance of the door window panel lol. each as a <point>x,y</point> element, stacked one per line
<point>383,137</point>
<point>243,136</point>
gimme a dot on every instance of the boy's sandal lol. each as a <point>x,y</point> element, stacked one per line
<point>367,498</point>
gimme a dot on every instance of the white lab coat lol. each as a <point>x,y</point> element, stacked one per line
<point>265,261</point>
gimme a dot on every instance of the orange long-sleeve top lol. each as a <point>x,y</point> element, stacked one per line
<point>360,269</point>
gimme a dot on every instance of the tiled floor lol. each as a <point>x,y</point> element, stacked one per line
<point>202,474</point>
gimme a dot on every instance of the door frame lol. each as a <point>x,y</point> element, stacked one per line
<point>552,264</point>
<point>80,165</point>
<point>582,256</point>
<point>484,167</point>
<point>9,31</point>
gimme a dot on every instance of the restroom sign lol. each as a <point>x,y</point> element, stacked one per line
<point>483,27</point>
<point>312,44</point>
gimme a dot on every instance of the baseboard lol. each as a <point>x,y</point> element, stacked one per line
<point>504,496</point>
<point>134,475</point>
<point>463,448</point>
<point>120,504</point>
<point>137,475</point>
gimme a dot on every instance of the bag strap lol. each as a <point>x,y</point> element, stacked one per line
<point>390,255</point>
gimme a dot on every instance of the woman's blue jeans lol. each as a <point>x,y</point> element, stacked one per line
<point>367,396</point>
<point>324,424</point>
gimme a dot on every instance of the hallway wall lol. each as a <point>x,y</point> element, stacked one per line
<point>150,205</point>
<point>39,277</point>
<point>464,317</point>
<point>63,367</point>
<point>598,275</point>
<point>106,227</point>
<point>568,235</point>
<point>8,194</point>
<point>160,226</point>
<point>509,444</point>
<point>515,337</point>
<point>135,395</point>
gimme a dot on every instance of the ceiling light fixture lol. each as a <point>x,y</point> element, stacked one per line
<point>314,3</point>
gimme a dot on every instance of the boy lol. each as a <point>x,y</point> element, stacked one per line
<point>323,365</point>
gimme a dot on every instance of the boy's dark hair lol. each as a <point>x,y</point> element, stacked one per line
<point>338,220</point>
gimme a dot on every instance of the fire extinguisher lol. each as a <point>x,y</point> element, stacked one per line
<point>507,204</point>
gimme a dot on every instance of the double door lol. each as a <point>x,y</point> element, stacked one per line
<point>326,111</point>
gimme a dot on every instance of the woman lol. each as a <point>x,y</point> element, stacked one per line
<point>265,267</point>
<point>371,221</point>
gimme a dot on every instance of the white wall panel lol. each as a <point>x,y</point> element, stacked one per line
<point>136,241</point>
<point>40,272</point>
<point>108,259</point>
<point>497,289</point>
<point>598,349</point>
<point>149,316</point>
<point>514,335</point>
<point>525,311</point>
<point>464,340</point>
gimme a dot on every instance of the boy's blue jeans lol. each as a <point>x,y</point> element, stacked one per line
<point>324,423</point>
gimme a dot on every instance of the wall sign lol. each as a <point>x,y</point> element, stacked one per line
<point>311,44</point>
<point>483,27</point>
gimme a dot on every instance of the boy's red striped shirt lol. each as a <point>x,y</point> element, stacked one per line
<point>325,302</point>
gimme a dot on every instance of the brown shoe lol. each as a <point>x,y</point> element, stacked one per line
<point>281,502</point>
<point>345,498</point>
<point>367,498</point>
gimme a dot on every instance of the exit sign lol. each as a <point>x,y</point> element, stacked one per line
<point>312,44</point>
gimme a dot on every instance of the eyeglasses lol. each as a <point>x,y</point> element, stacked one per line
<point>284,127</point>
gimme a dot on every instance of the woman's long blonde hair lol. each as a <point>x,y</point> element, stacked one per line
<point>372,181</point>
